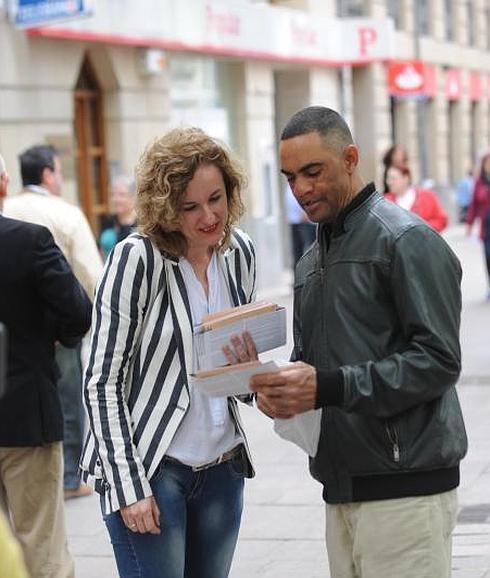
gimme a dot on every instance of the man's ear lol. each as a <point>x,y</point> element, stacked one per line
<point>351,158</point>
<point>4,180</point>
<point>46,176</point>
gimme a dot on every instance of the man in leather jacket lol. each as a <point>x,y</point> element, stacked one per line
<point>377,306</point>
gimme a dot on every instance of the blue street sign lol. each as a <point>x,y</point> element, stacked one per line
<point>28,13</point>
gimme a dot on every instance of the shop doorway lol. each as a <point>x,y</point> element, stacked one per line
<point>91,154</point>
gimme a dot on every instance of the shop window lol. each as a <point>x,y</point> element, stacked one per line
<point>394,9</point>
<point>91,154</point>
<point>449,21</point>
<point>422,17</point>
<point>352,8</point>
<point>487,18</point>
<point>470,22</point>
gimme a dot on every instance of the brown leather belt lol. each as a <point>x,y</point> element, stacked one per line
<point>219,460</point>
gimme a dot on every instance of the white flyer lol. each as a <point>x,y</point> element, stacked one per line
<point>302,429</point>
<point>232,379</point>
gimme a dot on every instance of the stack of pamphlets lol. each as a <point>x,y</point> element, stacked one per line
<point>266,323</point>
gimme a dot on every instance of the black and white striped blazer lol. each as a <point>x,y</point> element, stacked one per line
<point>136,381</point>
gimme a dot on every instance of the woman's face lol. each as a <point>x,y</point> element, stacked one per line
<point>398,183</point>
<point>122,200</point>
<point>205,208</point>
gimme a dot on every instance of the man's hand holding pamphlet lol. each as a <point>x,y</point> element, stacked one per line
<point>232,379</point>
<point>265,324</point>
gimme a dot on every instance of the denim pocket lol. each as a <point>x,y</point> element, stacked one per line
<point>157,476</point>
<point>238,465</point>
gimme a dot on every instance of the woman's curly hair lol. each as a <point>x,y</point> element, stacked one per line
<point>162,174</point>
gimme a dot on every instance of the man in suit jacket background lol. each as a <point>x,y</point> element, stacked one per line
<point>41,303</point>
<point>40,202</point>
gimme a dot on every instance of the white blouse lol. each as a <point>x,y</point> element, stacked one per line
<point>207,430</point>
<point>407,200</point>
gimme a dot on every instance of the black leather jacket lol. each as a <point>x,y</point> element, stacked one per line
<point>379,297</point>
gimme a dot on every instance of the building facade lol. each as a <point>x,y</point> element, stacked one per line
<point>101,87</point>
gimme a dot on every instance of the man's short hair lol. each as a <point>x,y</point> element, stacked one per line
<point>33,161</point>
<point>325,121</point>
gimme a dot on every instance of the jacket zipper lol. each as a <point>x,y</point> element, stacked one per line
<point>393,437</point>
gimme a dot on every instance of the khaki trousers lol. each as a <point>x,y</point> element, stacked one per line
<point>31,492</point>
<point>401,538</point>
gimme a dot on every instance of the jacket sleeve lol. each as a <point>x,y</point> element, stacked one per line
<point>425,286</point>
<point>473,208</point>
<point>68,307</point>
<point>116,326</point>
<point>85,257</point>
<point>438,218</point>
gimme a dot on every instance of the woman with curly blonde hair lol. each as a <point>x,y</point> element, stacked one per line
<point>169,462</point>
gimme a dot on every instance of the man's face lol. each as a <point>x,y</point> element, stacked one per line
<point>53,179</point>
<point>317,175</point>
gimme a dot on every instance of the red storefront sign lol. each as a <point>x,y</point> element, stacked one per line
<point>454,86</point>
<point>411,78</point>
<point>475,86</point>
<point>430,78</point>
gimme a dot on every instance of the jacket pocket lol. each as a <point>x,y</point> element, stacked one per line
<point>393,441</point>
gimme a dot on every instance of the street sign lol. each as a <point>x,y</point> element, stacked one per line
<point>29,13</point>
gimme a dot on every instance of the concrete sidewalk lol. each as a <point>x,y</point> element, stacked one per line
<point>282,533</point>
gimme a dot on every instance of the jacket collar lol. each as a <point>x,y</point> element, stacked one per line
<point>37,189</point>
<point>360,200</point>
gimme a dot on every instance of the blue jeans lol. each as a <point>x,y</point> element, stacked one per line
<point>200,515</point>
<point>70,392</point>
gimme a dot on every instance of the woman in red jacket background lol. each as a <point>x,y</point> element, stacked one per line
<point>422,202</point>
<point>480,208</point>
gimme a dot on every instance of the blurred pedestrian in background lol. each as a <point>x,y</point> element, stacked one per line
<point>168,461</point>
<point>41,303</point>
<point>479,209</point>
<point>40,202</point>
<point>395,156</point>
<point>122,221</point>
<point>377,307</point>
<point>303,231</point>
<point>422,202</point>
<point>464,194</point>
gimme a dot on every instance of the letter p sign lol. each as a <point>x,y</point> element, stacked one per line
<point>367,36</point>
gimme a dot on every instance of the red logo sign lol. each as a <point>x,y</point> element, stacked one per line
<point>411,78</point>
<point>454,87</point>
<point>475,87</point>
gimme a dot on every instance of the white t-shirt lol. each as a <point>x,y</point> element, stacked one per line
<point>207,430</point>
<point>406,200</point>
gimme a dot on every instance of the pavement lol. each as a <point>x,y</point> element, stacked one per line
<point>282,532</point>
